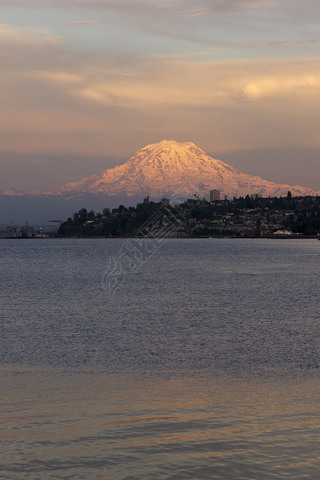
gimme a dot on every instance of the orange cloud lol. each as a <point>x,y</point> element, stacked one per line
<point>28,36</point>
<point>275,86</point>
<point>57,77</point>
<point>177,82</point>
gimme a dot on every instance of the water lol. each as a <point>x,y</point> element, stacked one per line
<point>204,364</point>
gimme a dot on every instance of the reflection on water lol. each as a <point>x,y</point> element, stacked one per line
<point>203,366</point>
<point>89,426</point>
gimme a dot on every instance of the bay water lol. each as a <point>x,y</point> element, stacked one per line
<point>192,359</point>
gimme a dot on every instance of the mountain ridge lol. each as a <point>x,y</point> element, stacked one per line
<point>169,167</point>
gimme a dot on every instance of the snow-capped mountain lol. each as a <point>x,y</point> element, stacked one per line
<point>169,168</point>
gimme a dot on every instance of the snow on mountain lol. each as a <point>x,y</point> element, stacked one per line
<point>169,168</point>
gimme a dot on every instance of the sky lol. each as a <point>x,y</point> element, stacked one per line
<point>86,83</point>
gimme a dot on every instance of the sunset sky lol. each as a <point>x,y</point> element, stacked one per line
<point>86,83</point>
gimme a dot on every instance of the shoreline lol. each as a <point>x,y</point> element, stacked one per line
<point>222,237</point>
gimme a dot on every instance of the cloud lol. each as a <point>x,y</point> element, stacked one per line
<point>201,8</point>
<point>276,43</point>
<point>177,5</point>
<point>98,108</point>
<point>226,74</point>
<point>246,22</point>
<point>27,36</point>
<point>282,85</point>
<point>165,82</point>
<point>58,77</point>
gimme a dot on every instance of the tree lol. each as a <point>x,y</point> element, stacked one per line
<point>83,215</point>
<point>248,202</point>
<point>91,215</point>
<point>76,218</point>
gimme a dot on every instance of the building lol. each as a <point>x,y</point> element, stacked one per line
<point>214,195</point>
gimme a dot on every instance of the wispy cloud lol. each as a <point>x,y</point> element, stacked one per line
<point>65,78</point>
<point>274,86</point>
<point>27,36</point>
<point>201,8</point>
<point>276,43</point>
<point>178,5</point>
<point>88,105</point>
<point>156,68</point>
<point>170,81</point>
<point>186,20</point>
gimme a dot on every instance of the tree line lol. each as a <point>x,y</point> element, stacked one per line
<point>301,215</point>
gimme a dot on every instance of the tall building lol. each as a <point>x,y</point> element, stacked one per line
<point>214,195</point>
<point>165,201</point>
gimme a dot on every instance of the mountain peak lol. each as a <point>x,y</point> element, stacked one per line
<point>171,144</point>
<point>167,167</point>
<point>170,148</point>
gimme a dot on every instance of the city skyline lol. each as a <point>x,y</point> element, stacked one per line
<point>84,86</point>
